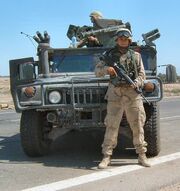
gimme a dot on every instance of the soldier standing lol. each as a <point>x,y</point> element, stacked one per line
<point>122,98</point>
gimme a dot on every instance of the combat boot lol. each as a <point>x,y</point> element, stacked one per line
<point>142,160</point>
<point>105,162</point>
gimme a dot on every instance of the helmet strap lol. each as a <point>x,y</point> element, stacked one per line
<point>123,50</point>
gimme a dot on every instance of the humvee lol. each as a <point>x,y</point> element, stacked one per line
<point>59,92</point>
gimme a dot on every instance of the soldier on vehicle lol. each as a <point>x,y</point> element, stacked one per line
<point>94,16</point>
<point>92,41</point>
<point>105,38</point>
<point>122,97</point>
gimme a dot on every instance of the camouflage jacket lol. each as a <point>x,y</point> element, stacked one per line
<point>131,61</point>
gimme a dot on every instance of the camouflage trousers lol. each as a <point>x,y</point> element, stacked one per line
<point>120,100</point>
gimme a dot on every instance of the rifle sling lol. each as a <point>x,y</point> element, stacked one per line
<point>134,62</point>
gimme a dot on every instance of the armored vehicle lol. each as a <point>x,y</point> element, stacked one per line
<point>60,92</point>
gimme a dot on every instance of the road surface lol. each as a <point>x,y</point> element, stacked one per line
<point>72,163</point>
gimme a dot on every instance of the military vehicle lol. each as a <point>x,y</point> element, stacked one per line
<point>59,92</point>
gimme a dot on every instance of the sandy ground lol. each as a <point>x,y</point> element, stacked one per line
<point>6,99</point>
<point>5,95</point>
<point>175,187</point>
<point>171,89</point>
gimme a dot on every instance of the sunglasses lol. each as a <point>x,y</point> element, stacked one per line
<point>123,33</point>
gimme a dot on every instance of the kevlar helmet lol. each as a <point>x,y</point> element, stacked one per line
<point>124,32</point>
<point>96,14</point>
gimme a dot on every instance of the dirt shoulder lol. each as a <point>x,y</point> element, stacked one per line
<point>7,102</point>
<point>175,187</point>
<point>5,95</point>
<point>171,89</point>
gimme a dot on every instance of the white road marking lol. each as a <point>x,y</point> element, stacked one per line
<point>171,98</point>
<point>14,120</point>
<point>11,120</point>
<point>68,183</point>
<point>4,113</point>
<point>176,116</point>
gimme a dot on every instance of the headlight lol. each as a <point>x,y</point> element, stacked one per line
<point>54,97</point>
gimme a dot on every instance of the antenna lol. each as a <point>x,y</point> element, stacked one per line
<point>30,38</point>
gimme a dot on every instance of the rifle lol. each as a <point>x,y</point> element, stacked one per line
<point>121,73</point>
<point>104,30</point>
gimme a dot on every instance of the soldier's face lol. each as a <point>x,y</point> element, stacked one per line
<point>123,41</point>
<point>94,17</point>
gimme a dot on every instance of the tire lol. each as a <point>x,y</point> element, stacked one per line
<point>152,129</point>
<point>32,132</point>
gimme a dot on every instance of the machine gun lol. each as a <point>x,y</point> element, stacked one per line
<point>104,30</point>
<point>85,31</point>
<point>121,74</point>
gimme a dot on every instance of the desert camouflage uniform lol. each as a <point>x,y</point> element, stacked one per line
<point>124,99</point>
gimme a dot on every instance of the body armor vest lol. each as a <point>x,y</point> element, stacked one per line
<point>126,61</point>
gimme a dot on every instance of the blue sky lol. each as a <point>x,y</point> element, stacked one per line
<point>18,16</point>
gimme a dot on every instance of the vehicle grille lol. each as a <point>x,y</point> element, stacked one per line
<point>84,96</point>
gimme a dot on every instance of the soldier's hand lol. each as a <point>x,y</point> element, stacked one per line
<point>39,38</point>
<point>92,38</point>
<point>135,86</point>
<point>111,71</point>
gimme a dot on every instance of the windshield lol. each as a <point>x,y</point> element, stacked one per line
<point>73,63</point>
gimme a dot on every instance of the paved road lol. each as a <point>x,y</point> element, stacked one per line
<point>78,157</point>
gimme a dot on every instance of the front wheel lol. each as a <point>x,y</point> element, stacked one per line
<point>33,133</point>
<point>152,129</point>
